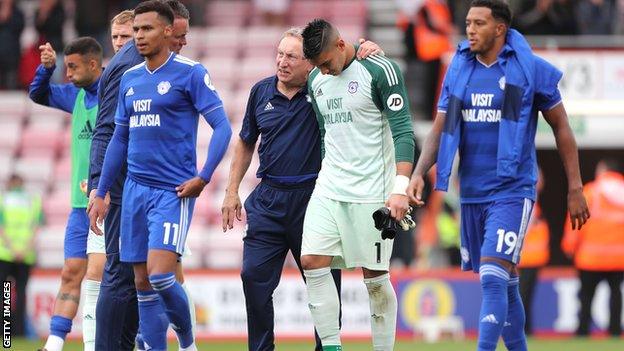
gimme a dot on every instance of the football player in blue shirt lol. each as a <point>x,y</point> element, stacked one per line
<point>118,322</point>
<point>488,109</point>
<point>156,129</point>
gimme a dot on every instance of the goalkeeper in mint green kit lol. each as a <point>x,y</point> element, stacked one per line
<point>368,149</point>
<point>83,62</point>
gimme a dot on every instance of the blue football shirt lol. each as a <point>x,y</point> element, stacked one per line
<point>161,109</point>
<point>478,147</point>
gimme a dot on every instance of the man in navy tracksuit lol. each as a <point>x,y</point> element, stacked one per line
<point>116,313</point>
<point>279,109</point>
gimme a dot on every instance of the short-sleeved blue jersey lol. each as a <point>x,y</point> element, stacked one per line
<point>289,148</point>
<point>161,109</point>
<point>478,147</point>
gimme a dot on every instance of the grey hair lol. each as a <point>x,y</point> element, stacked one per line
<point>294,32</point>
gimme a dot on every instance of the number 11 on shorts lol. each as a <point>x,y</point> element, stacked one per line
<point>168,226</point>
<point>509,238</point>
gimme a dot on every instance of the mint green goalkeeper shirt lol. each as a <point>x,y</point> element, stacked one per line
<point>366,128</point>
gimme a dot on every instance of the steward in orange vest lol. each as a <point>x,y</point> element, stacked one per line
<point>599,244</point>
<point>535,249</point>
<point>431,30</point>
<point>598,247</point>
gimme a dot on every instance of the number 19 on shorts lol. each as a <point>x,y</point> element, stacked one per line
<point>509,239</point>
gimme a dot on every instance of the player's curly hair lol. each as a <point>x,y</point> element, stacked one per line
<point>163,10</point>
<point>317,36</point>
<point>500,9</point>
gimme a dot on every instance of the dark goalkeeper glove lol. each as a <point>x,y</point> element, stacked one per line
<point>388,225</point>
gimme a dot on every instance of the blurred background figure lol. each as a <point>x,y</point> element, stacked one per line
<point>427,26</point>
<point>91,20</point>
<point>273,11</point>
<point>11,27</point>
<point>535,255</point>
<point>597,17</point>
<point>20,218</point>
<point>598,247</point>
<point>49,20</point>
<point>545,17</point>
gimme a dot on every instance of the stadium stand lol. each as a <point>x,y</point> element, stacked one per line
<point>238,51</point>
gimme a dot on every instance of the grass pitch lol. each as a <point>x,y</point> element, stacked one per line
<point>534,345</point>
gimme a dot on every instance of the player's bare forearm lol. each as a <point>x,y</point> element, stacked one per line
<point>568,151</point>
<point>243,154</point>
<point>404,168</point>
<point>426,160</point>
<point>430,147</point>
<point>566,145</point>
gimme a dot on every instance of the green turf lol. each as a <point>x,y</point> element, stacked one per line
<point>534,345</point>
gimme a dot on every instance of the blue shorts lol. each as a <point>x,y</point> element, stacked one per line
<point>152,218</point>
<point>76,233</point>
<point>493,229</point>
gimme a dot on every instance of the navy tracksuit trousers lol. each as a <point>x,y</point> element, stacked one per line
<point>275,216</point>
<point>117,314</point>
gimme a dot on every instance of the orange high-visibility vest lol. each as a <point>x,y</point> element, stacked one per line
<point>431,44</point>
<point>535,250</point>
<point>599,244</point>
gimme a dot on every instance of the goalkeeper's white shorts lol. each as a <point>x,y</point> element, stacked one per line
<point>345,231</point>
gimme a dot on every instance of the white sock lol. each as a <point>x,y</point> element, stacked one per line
<point>383,308</point>
<point>324,304</point>
<point>191,347</point>
<point>91,291</point>
<point>191,306</point>
<point>54,343</point>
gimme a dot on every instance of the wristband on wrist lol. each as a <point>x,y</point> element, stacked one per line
<point>401,183</point>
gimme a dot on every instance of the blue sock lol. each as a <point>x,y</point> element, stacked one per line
<point>139,342</point>
<point>176,305</point>
<point>60,326</point>
<point>513,332</point>
<point>494,281</point>
<point>153,321</point>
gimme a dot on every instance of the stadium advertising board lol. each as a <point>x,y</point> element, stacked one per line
<point>220,304</point>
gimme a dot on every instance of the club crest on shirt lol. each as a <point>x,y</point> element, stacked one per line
<point>208,82</point>
<point>163,87</point>
<point>353,87</point>
<point>502,82</point>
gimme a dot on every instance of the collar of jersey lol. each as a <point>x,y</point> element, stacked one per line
<point>276,91</point>
<point>171,54</point>
<point>486,65</point>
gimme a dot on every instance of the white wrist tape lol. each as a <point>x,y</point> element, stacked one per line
<point>400,185</point>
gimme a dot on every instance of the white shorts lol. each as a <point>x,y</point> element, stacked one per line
<point>95,243</point>
<point>347,232</point>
